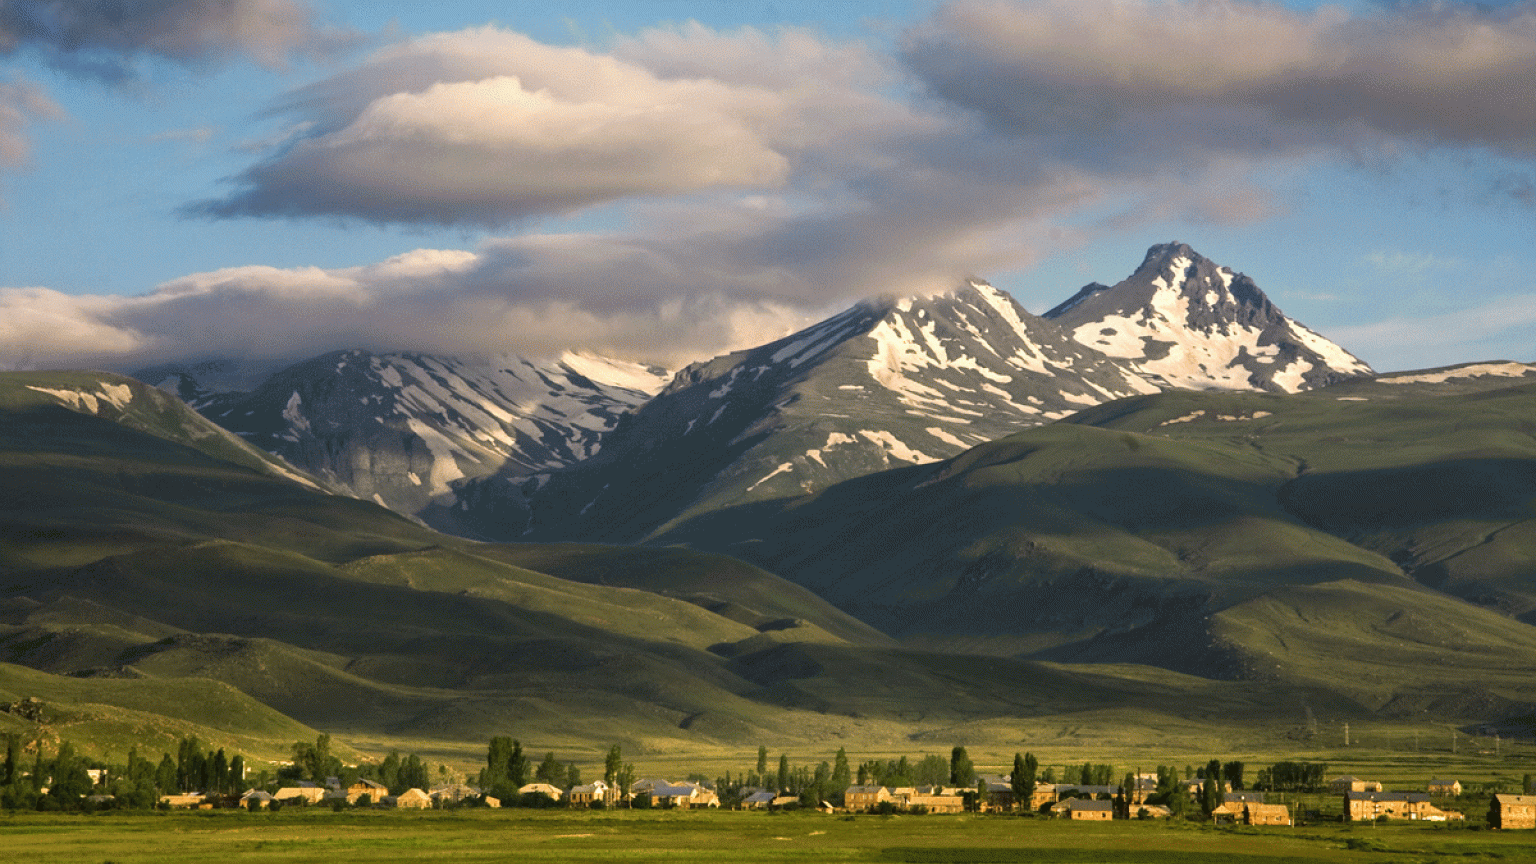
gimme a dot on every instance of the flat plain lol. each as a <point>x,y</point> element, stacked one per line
<point>682,837</point>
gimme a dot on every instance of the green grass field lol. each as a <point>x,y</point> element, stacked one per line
<point>678,838</point>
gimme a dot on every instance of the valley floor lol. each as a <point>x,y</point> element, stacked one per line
<point>677,838</point>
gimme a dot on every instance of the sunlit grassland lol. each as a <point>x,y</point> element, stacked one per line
<point>319,835</point>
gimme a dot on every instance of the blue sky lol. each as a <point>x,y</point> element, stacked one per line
<point>666,180</point>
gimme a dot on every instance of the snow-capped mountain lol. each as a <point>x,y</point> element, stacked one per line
<point>447,439</point>
<point>1187,323</point>
<point>887,383</point>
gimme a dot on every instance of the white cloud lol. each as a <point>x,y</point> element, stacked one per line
<point>489,126</point>
<point>1138,83</point>
<point>20,103</point>
<point>444,301</point>
<point>1499,329</point>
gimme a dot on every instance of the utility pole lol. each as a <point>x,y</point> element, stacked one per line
<point>1346,734</point>
<point>1453,740</point>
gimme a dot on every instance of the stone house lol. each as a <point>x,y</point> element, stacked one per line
<point>1351,783</point>
<point>1368,806</point>
<point>1512,811</point>
<point>410,799</point>
<point>1441,788</point>
<point>588,794</point>
<point>999,795</point>
<point>453,793</point>
<point>1252,813</point>
<point>310,794</point>
<point>375,791</point>
<point>865,797</point>
<point>937,801</point>
<point>1082,808</point>
<point>548,791</point>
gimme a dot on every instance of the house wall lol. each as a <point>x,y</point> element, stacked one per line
<point>1516,816</point>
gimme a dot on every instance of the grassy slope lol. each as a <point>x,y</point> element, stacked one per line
<point>135,553</point>
<point>124,542</point>
<point>1177,528</point>
<point>106,716</point>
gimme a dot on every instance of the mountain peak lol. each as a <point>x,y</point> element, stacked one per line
<point>1190,323</point>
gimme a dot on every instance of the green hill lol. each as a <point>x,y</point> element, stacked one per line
<point>137,542</point>
<point>1167,529</point>
<point>159,580</point>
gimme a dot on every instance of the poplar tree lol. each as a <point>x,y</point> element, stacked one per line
<point>841,778</point>
<point>1022,780</point>
<point>550,771</point>
<point>961,771</point>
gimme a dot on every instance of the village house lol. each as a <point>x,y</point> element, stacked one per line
<point>455,793</point>
<point>309,794</point>
<point>1368,806</point>
<point>191,800</point>
<point>1082,808</point>
<point>1045,794</point>
<point>937,800</point>
<point>588,794</point>
<point>999,793</point>
<point>1248,808</point>
<point>410,799</point>
<point>1351,783</point>
<point>683,796</point>
<point>551,792</point>
<point>261,799</point>
<point>1443,788</point>
<point>760,800</point>
<point>375,791</point>
<point>780,802</point>
<point>1143,786</point>
<point>865,797</point>
<point>1512,811</point>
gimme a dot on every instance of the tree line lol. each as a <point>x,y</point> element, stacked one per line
<point>64,782</point>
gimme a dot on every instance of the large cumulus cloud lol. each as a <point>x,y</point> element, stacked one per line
<point>488,126</point>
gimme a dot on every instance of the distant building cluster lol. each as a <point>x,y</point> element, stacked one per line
<point>1363,800</point>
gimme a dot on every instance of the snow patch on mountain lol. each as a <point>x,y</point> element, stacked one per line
<point>430,436</point>
<point>1476,370</point>
<point>890,444</point>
